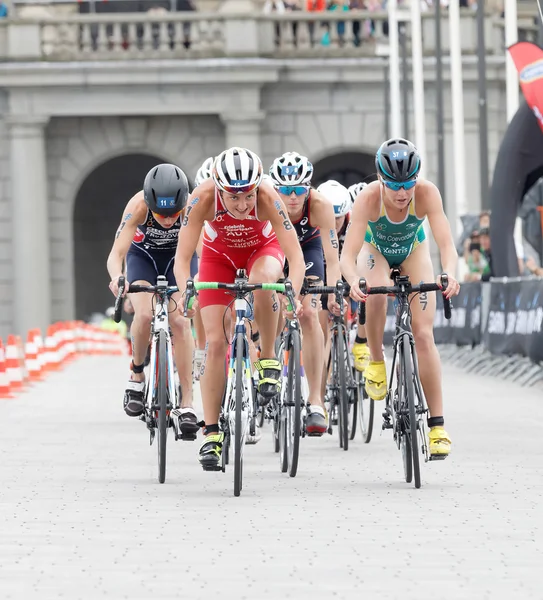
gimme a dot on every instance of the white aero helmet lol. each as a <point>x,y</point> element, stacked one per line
<point>237,170</point>
<point>205,171</point>
<point>355,189</point>
<point>291,169</point>
<point>338,195</point>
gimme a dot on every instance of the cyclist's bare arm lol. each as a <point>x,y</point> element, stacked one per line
<point>322,216</point>
<point>430,203</point>
<point>134,214</point>
<point>271,207</point>
<point>366,208</point>
<point>200,207</point>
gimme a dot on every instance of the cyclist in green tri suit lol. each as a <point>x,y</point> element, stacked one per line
<point>387,231</point>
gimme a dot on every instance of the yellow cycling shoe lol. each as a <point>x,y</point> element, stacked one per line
<point>361,355</point>
<point>440,442</point>
<point>376,380</point>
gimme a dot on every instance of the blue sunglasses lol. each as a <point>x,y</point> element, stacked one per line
<point>400,185</point>
<point>287,190</point>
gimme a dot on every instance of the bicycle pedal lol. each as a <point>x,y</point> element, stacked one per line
<point>437,457</point>
<point>217,468</point>
<point>387,426</point>
<point>186,437</point>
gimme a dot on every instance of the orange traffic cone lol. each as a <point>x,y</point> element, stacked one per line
<point>4,381</point>
<point>32,357</point>
<point>13,364</point>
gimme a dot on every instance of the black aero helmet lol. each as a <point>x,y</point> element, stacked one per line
<point>166,189</point>
<point>397,160</point>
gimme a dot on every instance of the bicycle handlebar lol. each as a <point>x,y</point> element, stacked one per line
<point>327,289</point>
<point>119,300</point>
<point>241,287</point>
<point>134,289</point>
<point>405,288</point>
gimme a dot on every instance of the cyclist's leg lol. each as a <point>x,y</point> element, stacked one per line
<point>141,270</point>
<point>182,338</point>
<point>324,320</point>
<point>266,266</point>
<point>197,321</point>
<point>418,265</point>
<point>141,326</point>
<point>375,269</point>
<point>216,320</point>
<point>313,352</point>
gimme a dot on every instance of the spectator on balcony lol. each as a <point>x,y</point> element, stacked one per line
<point>357,5</point>
<point>278,7</point>
<point>335,5</point>
<point>185,6</point>
<point>3,10</point>
<point>314,6</point>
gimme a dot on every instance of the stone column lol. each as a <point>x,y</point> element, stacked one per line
<point>243,129</point>
<point>31,268</point>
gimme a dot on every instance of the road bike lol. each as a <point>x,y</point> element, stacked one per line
<point>405,407</point>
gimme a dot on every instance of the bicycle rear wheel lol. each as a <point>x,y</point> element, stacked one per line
<point>343,393</point>
<point>291,421</point>
<point>411,421</point>
<point>238,447</point>
<point>161,405</point>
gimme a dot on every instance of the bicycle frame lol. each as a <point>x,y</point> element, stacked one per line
<point>248,408</point>
<point>160,323</point>
<point>405,402</point>
<point>403,327</point>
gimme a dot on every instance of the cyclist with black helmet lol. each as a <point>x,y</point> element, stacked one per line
<point>387,231</point>
<point>246,226</point>
<point>312,215</point>
<point>147,238</point>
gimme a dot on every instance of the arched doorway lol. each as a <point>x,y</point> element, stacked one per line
<point>346,167</point>
<point>98,208</point>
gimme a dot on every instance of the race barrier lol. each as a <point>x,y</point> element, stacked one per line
<point>28,363</point>
<point>496,328</point>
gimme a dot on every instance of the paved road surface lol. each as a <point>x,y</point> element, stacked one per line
<point>83,517</point>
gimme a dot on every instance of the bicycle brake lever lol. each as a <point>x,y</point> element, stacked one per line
<point>189,294</point>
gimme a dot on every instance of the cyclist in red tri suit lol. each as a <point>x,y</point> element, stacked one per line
<point>246,226</point>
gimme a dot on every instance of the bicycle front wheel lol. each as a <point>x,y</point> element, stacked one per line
<point>291,423</point>
<point>366,407</point>
<point>342,391</point>
<point>238,442</point>
<point>411,421</point>
<point>161,406</point>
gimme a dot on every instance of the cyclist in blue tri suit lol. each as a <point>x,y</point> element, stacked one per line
<point>387,231</point>
<point>313,218</point>
<point>147,239</point>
